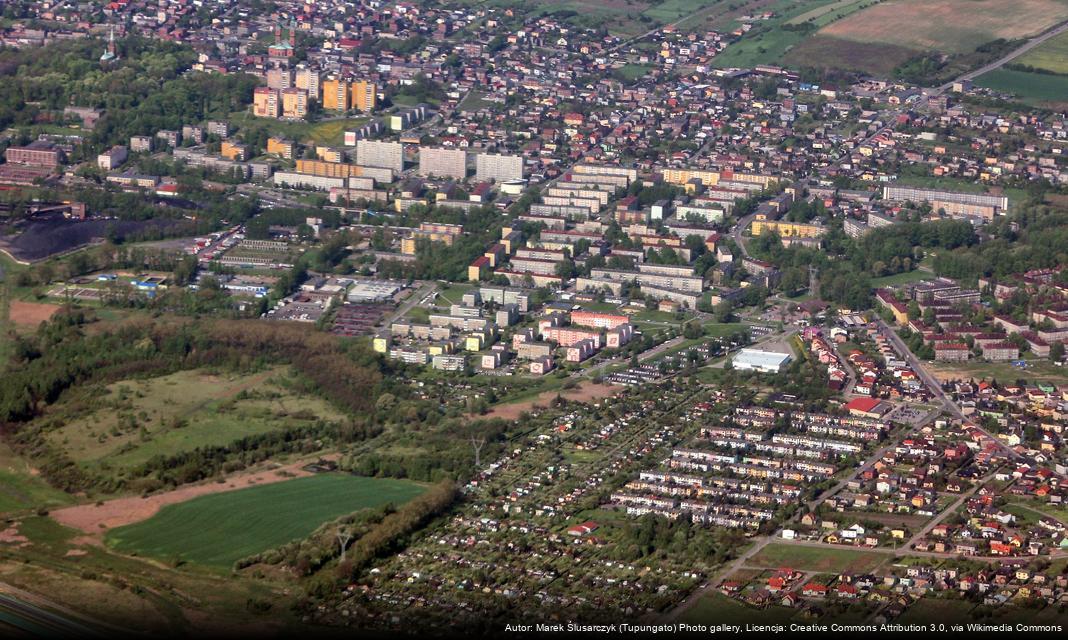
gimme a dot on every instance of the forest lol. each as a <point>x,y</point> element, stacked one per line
<point>147,89</point>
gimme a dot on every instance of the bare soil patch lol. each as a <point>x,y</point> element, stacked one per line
<point>585,392</point>
<point>31,314</point>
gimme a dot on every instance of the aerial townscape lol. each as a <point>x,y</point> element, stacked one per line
<point>490,317</point>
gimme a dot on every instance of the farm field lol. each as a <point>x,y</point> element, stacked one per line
<point>219,529</point>
<point>55,560</point>
<point>1051,55</point>
<point>770,40</point>
<point>668,11</point>
<point>132,421</point>
<point>937,25</point>
<point>1036,89</point>
<point>878,38</point>
<point>820,50</point>
<point>824,560</point>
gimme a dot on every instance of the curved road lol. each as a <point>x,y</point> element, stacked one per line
<point>1027,46</point>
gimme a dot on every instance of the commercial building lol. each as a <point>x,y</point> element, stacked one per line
<point>36,154</point>
<point>761,361</point>
<point>498,168</point>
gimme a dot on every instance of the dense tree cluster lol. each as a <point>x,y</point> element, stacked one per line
<point>147,89</point>
<point>63,354</point>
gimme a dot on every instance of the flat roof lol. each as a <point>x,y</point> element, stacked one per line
<point>759,358</point>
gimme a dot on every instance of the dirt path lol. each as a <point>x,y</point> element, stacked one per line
<point>585,392</point>
<point>96,519</point>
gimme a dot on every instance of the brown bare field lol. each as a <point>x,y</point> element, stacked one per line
<point>839,53</point>
<point>951,26</point>
<point>585,392</point>
<point>96,519</point>
<point>31,314</point>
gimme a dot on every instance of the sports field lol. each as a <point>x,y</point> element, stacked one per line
<point>822,559</point>
<point>218,529</point>
<point>1051,55</point>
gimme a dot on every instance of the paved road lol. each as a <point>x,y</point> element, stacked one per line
<point>736,233</point>
<point>423,291</point>
<point>936,387</point>
<point>760,543</point>
<point>934,522</point>
<point>17,612</point>
<point>1030,44</point>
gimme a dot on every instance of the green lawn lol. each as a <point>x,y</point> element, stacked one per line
<point>904,277</point>
<point>1031,88</point>
<point>21,489</point>
<point>804,558</point>
<point>219,529</point>
<point>928,609</point>
<point>1036,371</point>
<point>454,294</point>
<point>325,132</point>
<point>716,608</point>
<point>1051,55</point>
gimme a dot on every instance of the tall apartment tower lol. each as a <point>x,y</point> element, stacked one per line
<point>336,95</point>
<point>444,163</point>
<point>499,168</point>
<point>308,79</point>
<point>374,153</point>
<point>364,96</point>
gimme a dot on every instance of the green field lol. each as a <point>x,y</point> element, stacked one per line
<point>671,10</point>
<point>769,41</point>
<point>828,13</point>
<point>904,277</point>
<point>219,529</point>
<point>1051,55</point>
<point>325,132</point>
<point>1036,89</point>
<point>129,422</point>
<point>820,559</point>
<point>21,489</point>
<point>877,37</point>
<point>716,608</point>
